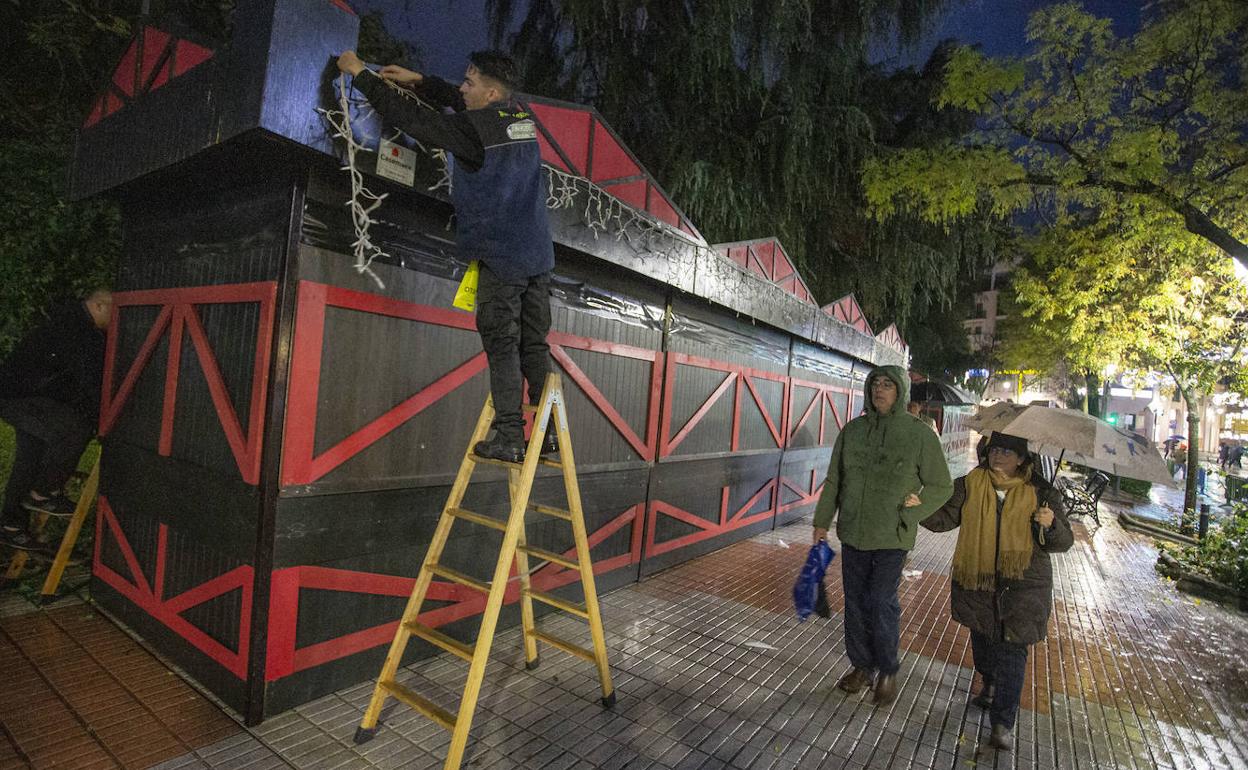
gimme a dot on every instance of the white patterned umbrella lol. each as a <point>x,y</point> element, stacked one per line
<point>1078,437</point>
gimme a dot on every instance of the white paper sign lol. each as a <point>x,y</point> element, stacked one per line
<point>394,161</point>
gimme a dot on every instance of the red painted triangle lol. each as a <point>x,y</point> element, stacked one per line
<point>97,111</point>
<point>188,56</point>
<point>154,43</point>
<point>123,76</point>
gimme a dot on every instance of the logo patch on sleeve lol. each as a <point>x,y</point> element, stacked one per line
<point>524,129</point>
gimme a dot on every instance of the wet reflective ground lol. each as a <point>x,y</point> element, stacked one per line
<point>714,671</point>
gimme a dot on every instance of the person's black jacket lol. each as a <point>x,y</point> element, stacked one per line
<point>1018,611</point>
<point>61,359</point>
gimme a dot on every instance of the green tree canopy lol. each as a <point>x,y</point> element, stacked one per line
<point>757,118</point>
<point>1133,289</point>
<point>1088,119</point>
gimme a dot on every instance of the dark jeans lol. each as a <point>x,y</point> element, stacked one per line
<point>872,612</point>
<point>45,461</point>
<point>1002,665</point>
<point>513,320</point>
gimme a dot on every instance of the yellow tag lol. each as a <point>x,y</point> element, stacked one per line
<point>466,294</point>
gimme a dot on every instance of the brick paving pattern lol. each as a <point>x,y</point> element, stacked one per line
<point>712,670</point>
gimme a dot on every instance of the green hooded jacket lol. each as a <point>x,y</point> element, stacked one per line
<point>877,461</point>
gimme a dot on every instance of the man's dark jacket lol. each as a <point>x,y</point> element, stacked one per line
<point>62,359</point>
<point>497,184</point>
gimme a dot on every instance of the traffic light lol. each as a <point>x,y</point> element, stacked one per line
<point>1112,418</point>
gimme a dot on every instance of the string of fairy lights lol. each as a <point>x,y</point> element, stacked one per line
<point>602,213</point>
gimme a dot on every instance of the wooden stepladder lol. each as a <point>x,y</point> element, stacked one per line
<point>514,548</point>
<point>86,498</point>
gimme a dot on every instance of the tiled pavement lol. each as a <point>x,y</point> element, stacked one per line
<point>712,671</point>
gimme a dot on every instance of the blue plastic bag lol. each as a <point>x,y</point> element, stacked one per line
<point>808,592</point>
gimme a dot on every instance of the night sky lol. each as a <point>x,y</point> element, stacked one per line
<point>447,30</point>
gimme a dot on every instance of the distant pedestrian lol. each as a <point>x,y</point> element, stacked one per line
<point>1235,456</point>
<point>1224,451</point>
<point>915,408</point>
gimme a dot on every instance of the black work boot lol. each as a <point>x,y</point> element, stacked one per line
<point>550,444</point>
<point>504,448</point>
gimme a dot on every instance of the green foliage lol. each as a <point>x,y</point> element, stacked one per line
<point>1135,487</point>
<point>1223,554</point>
<point>1152,124</point>
<point>58,55</point>
<point>758,118</point>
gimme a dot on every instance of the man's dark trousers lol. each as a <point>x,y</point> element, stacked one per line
<point>513,320</point>
<point>50,438</point>
<point>870,580</point>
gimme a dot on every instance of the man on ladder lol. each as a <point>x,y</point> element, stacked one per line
<point>500,206</point>
<point>499,195</point>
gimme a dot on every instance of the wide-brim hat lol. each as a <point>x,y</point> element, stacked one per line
<point>1015,444</point>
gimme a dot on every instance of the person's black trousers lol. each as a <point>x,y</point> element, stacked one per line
<point>49,439</point>
<point>872,612</point>
<point>513,320</point>
<point>1002,665</point>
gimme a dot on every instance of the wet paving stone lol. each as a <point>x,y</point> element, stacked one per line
<point>712,670</point>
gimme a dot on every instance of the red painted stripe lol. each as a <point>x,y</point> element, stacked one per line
<point>166,612</point>
<point>771,426</point>
<point>112,405</point>
<point>730,379</point>
<point>303,390</point>
<point>617,421</point>
<point>246,452</point>
<point>172,364</point>
<point>412,406</point>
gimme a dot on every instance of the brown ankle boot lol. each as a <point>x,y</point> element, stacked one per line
<point>1000,739</point>
<point>855,681</point>
<point>885,689</point>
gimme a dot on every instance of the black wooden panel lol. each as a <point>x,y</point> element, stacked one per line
<point>210,508</point>
<point>696,486</point>
<point>189,562</point>
<point>702,330</point>
<point>801,469</point>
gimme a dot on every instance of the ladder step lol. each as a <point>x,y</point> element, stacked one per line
<point>418,703</point>
<point>558,513</point>
<point>455,576</point>
<point>504,464</point>
<point>566,646</point>
<point>434,636</point>
<point>549,556</point>
<point>477,518</point>
<point>562,604</point>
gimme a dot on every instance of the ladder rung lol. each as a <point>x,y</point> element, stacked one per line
<point>550,556</point>
<point>562,604</point>
<point>423,705</point>
<point>455,576</point>
<point>566,646</point>
<point>477,518</point>
<point>434,636</point>
<point>558,513</point>
<point>504,464</point>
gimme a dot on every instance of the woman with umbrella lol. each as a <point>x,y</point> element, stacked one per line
<point>1009,522</point>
